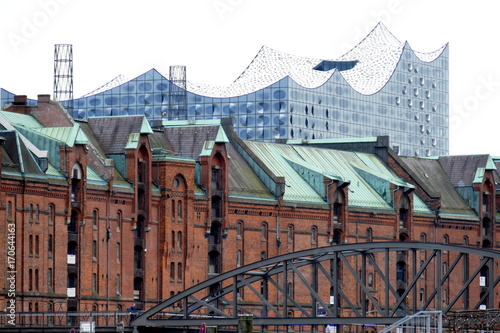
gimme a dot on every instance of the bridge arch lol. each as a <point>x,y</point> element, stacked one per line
<point>376,283</point>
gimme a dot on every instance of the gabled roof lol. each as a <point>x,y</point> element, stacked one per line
<point>191,139</point>
<point>114,132</point>
<point>431,174</point>
<point>462,169</point>
<point>304,169</point>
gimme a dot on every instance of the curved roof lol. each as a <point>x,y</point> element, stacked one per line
<point>377,56</point>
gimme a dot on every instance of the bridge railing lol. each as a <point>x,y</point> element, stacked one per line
<point>65,319</point>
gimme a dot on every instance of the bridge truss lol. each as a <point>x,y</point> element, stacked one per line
<point>350,284</point>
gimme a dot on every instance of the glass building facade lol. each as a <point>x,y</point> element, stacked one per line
<point>325,99</point>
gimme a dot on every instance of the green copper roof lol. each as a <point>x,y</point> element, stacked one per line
<point>93,176</point>
<point>18,119</point>
<point>68,135</point>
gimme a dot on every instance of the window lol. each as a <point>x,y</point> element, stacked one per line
<point>173,210</point>
<point>118,253</point>
<point>94,218</point>
<point>238,258</point>
<point>37,214</point>
<point>30,245</point>
<point>118,221</point>
<point>263,233</point>
<point>370,280</point>
<point>290,234</point>
<point>94,283</point>
<point>172,241</point>
<point>31,213</point>
<point>37,246</point>
<point>239,230</point>
<point>37,280</point>
<point>179,241</point>
<point>172,271</point>
<point>94,250</point>
<point>50,279</point>
<point>52,214</point>
<point>50,243</point>
<point>445,239</point>
<point>118,284</point>
<point>369,235</point>
<point>9,210</point>
<point>314,235</point>
<point>179,211</point>
<point>179,271</point>
<point>30,279</point>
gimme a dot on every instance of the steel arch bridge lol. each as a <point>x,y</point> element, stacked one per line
<point>364,283</point>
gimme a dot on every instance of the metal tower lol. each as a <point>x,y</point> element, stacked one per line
<point>63,75</point>
<point>177,101</point>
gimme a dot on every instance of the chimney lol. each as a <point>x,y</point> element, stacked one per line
<point>20,100</point>
<point>44,98</point>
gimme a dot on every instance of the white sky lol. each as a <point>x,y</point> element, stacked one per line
<point>217,39</point>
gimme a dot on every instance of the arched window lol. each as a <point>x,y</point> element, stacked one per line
<point>179,210</point>
<point>239,230</point>
<point>314,235</point>
<point>179,241</point>
<point>31,212</point>
<point>290,233</point>
<point>446,239</point>
<point>37,246</point>
<point>263,231</point>
<point>369,235</point>
<point>30,245</point>
<point>30,279</point>
<point>118,221</point>
<point>52,214</point>
<point>50,245</point>
<point>179,272</point>
<point>9,210</point>
<point>172,271</point>
<point>337,237</point>
<point>370,280</point>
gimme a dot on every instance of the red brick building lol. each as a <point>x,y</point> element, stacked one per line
<point>110,212</point>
